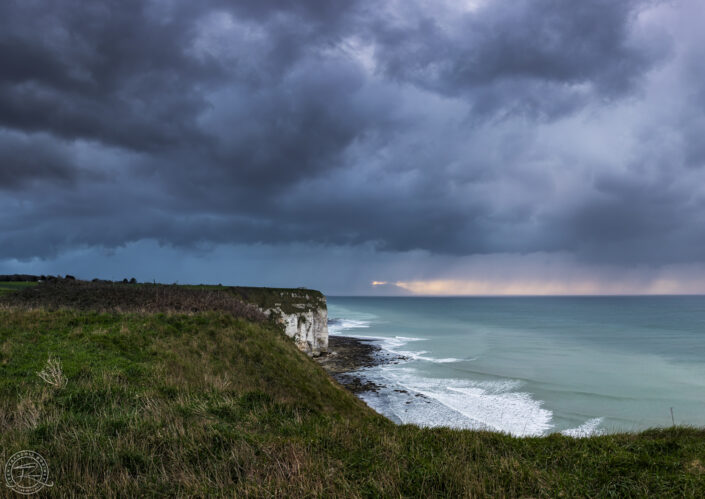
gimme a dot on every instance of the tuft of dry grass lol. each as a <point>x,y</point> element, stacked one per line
<point>52,373</point>
<point>695,466</point>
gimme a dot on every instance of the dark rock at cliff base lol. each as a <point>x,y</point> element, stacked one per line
<point>347,355</point>
<point>356,384</point>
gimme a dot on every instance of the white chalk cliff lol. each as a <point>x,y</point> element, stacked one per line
<point>306,322</point>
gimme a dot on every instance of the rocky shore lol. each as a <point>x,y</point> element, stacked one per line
<point>347,355</point>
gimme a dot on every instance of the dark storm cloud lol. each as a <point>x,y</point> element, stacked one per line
<point>107,71</point>
<point>26,159</point>
<point>539,56</point>
<point>400,125</point>
<point>636,218</point>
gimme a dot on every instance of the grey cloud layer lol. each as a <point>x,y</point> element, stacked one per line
<point>520,126</point>
<point>543,57</point>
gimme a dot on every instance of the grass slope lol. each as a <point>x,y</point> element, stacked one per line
<point>207,403</point>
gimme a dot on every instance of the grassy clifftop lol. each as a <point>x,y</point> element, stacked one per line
<point>107,295</point>
<point>207,402</point>
<point>287,300</point>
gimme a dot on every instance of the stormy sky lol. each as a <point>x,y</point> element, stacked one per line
<point>428,146</point>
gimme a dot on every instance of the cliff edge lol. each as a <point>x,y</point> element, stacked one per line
<point>302,312</point>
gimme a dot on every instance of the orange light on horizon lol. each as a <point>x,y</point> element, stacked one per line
<point>379,283</point>
<point>453,287</point>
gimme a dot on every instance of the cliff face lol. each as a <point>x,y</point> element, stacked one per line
<point>302,312</point>
<point>308,328</point>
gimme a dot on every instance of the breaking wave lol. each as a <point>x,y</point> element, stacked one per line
<point>430,402</point>
<point>587,429</point>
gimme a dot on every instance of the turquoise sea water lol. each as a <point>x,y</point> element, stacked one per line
<point>535,365</point>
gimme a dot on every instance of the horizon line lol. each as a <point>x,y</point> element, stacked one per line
<point>612,295</point>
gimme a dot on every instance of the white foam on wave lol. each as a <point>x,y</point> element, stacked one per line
<point>420,356</point>
<point>395,343</point>
<point>587,429</point>
<point>456,403</point>
<point>447,360</point>
<point>338,326</point>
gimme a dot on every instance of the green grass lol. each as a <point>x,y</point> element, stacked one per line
<point>202,404</point>
<point>9,287</point>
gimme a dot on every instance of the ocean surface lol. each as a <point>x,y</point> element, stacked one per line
<point>534,365</point>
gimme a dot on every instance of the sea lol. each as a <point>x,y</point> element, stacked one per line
<point>531,366</point>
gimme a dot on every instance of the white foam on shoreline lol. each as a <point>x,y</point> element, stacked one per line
<point>423,412</point>
<point>587,429</point>
<point>456,403</point>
